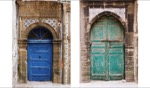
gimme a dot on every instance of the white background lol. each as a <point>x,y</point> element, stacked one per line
<point>6,43</point>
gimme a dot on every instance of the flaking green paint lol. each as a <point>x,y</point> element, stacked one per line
<point>107,50</point>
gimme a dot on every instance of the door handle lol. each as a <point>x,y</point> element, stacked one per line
<point>39,57</point>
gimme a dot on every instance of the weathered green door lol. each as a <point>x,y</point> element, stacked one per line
<point>107,50</point>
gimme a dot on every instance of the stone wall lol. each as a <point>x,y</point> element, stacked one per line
<point>135,42</point>
<point>126,13</point>
<point>14,45</point>
<point>31,16</point>
<point>49,14</point>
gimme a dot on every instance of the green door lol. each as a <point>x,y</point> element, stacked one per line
<point>107,50</point>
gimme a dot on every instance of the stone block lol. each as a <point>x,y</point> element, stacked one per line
<point>129,40</point>
<point>129,76</point>
<point>23,65</point>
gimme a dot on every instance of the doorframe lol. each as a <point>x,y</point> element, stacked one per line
<point>22,43</point>
<point>88,34</point>
<point>36,41</point>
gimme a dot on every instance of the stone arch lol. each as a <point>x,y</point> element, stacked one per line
<point>108,13</point>
<point>23,49</point>
<point>50,28</point>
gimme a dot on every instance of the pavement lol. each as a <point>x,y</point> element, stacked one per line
<point>34,84</point>
<point>110,84</point>
<point>92,84</point>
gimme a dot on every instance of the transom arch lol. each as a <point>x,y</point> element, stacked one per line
<point>41,33</point>
<point>44,25</point>
<point>108,13</point>
<point>106,22</point>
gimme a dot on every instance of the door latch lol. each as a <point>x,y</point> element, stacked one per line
<point>39,57</point>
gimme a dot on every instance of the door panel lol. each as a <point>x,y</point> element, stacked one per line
<point>98,33</point>
<point>107,51</point>
<point>98,60</point>
<point>98,66</point>
<point>117,35</point>
<point>98,30</point>
<point>39,61</point>
<point>115,64</point>
<point>116,61</point>
<point>116,45</point>
<point>114,30</point>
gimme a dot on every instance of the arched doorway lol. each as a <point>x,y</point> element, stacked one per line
<point>39,52</point>
<point>107,49</point>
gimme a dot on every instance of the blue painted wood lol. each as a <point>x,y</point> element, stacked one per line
<point>39,55</point>
<point>39,61</point>
<point>39,41</point>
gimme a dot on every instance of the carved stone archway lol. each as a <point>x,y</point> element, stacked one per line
<point>23,52</point>
<point>89,27</point>
<point>108,13</point>
<point>49,27</point>
<point>54,16</point>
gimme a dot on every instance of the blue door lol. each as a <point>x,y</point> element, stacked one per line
<point>39,57</point>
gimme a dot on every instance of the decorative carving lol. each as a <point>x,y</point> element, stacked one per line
<point>28,22</point>
<point>66,49</point>
<point>95,11</point>
<point>39,9</point>
<point>50,21</point>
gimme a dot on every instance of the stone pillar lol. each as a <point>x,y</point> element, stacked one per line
<point>85,43</point>
<point>135,43</point>
<point>56,61</point>
<point>23,61</point>
<point>129,44</point>
<point>129,57</point>
<point>66,43</point>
